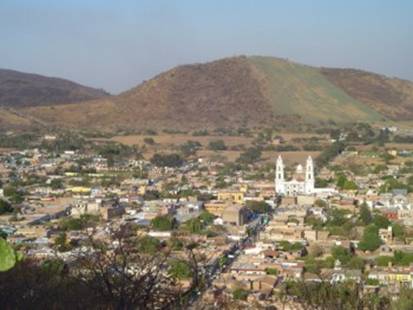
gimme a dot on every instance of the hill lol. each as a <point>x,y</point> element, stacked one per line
<point>241,91</point>
<point>19,89</point>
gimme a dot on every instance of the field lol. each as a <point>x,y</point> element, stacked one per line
<point>171,142</point>
<point>178,139</point>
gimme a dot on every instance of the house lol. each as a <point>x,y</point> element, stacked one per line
<point>235,215</point>
<point>394,276</point>
<point>231,196</point>
<point>386,234</point>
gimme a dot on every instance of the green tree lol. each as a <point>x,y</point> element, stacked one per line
<point>365,214</point>
<point>250,156</point>
<point>341,253</point>
<point>180,269</point>
<point>399,231</point>
<point>217,145</point>
<point>240,294</point>
<point>167,160</point>
<point>207,217</point>
<point>149,245</point>
<point>61,243</point>
<point>8,256</point>
<point>381,221</point>
<point>190,148</point>
<point>195,225</point>
<point>260,207</point>
<point>271,271</point>
<point>356,262</point>
<point>163,223</point>
<point>5,207</point>
<point>56,184</point>
<point>370,240</point>
<point>149,141</point>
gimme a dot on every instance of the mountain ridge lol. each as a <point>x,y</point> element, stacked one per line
<point>19,89</point>
<point>254,91</point>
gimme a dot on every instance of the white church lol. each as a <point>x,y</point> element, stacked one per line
<point>302,182</point>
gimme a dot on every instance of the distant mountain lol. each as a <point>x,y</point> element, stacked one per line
<point>19,89</point>
<point>241,91</point>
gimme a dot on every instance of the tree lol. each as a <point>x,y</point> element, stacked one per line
<point>180,269</point>
<point>320,203</point>
<point>56,184</point>
<point>61,243</point>
<point>5,207</point>
<point>217,145</point>
<point>106,274</point>
<point>240,294</point>
<point>271,271</point>
<point>356,263</point>
<point>365,214</point>
<point>190,148</point>
<point>370,240</point>
<point>399,231</point>
<point>341,253</point>
<point>163,223</point>
<point>7,256</point>
<point>260,207</point>
<point>149,245</point>
<point>167,160</point>
<point>250,156</point>
<point>13,194</point>
<point>149,141</point>
<point>381,221</point>
<point>194,225</point>
<point>207,217</point>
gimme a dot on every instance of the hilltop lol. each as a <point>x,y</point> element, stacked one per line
<point>240,91</point>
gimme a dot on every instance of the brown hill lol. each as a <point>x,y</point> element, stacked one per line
<point>390,96</point>
<point>238,91</point>
<point>24,89</point>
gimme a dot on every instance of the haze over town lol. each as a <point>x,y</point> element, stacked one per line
<point>206,155</point>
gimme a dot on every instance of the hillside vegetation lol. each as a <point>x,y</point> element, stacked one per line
<point>24,89</point>
<point>240,92</point>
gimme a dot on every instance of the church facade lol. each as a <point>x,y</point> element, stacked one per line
<point>302,182</point>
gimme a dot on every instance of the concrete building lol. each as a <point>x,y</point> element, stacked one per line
<point>235,215</point>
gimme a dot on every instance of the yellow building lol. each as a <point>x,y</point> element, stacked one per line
<point>216,207</point>
<point>394,276</point>
<point>231,196</point>
<point>80,190</point>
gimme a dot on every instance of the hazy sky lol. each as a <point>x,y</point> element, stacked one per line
<point>116,44</point>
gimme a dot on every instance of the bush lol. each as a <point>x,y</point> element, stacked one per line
<point>190,148</point>
<point>250,156</point>
<point>217,145</point>
<point>149,245</point>
<point>180,269</point>
<point>7,256</point>
<point>240,294</point>
<point>271,271</point>
<point>371,240</point>
<point>167,160</point>
<point>5,207</point>
<point>259,206</point>
<point>163,223</point>
<point>149,141</point>
<point>342,254</point>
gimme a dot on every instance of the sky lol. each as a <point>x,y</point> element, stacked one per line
<point>116,44</point>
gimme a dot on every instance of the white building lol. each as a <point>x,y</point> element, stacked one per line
<point>302,182</point>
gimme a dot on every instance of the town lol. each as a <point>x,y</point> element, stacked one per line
<point>238,219</point>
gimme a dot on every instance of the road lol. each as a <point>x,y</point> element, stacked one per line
<point>214,269</point>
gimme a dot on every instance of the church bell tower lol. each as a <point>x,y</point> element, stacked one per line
<point>279,176</point>
<point>309,176</point>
